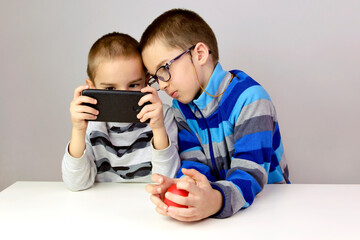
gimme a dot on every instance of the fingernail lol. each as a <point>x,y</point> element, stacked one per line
<point>158,190</point>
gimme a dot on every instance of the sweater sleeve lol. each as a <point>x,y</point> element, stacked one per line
<point>78,173</point>
<point>254,128</point>
<point>167,161</point>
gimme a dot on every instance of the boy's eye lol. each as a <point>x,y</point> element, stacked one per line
<point>110,88</point>
<point>133,85</point>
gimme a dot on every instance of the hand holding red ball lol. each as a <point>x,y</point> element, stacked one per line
<point>173,189</point>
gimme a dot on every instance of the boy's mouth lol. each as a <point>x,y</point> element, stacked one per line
<point>173,94</point>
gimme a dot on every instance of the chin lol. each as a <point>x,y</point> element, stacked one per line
<point>184,101</point>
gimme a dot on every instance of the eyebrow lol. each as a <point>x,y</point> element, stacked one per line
<point>136,80</point>
<point>161,64</point>
<point>131,82</point>
<point>107,84</point>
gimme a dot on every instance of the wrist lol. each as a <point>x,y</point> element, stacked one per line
<point>160,138</point>
<point>218,201</point>
<point>77,143</point>
<point>78,130</point>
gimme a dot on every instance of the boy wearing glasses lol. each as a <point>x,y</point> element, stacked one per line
<point>118,152</point>
<point>229,138</point>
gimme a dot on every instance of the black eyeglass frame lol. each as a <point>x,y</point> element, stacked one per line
<point>154,78</point>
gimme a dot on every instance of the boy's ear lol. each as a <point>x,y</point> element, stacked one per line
<point>201,53</point>
<point>90,83</point>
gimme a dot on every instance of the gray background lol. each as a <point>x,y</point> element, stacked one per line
<point>305,53</point>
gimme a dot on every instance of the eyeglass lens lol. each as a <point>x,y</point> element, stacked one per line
<point>155,85</point>
<point>163,74</point>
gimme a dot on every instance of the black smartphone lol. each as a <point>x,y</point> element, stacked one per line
<point>115,105</point>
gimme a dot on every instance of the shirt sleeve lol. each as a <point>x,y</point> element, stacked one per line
<point>78,173</point>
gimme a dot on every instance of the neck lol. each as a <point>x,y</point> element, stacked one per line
<point>204,77</point>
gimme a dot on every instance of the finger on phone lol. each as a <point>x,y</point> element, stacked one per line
<point>86,116</point>
<point>148,89</point>
<point>86,99</point>
<point>145,113</point>
<point>87,109</point>
<point>145,98</point>
<point>79,89</point>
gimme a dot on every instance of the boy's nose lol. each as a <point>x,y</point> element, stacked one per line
<point>163,85</point>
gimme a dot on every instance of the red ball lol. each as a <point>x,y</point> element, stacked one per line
<point>173,189</point>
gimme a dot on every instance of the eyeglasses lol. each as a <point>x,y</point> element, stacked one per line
<point>163,73</point>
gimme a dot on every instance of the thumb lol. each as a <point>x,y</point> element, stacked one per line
<point>194,174</point>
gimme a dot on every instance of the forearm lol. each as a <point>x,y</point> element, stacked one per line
<point>77,143</point>
<point>160,138</point>
<point>165,158</point>
<point>238,190</point>
<point>166,161</point>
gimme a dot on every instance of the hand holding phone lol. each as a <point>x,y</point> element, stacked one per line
<point>79,113</point>
<point>115,105</point>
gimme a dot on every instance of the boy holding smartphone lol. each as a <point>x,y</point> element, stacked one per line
<point>118,152</point>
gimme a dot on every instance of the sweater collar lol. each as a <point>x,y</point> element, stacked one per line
<point>212,87</point>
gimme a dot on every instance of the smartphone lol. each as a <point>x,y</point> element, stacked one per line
<point>115,105</point>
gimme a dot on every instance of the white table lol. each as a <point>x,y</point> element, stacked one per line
<point>47,210</point>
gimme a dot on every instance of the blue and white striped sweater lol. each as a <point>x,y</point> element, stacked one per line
<point>233,139</point>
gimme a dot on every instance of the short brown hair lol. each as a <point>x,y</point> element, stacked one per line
<point>180,28</point>
<point>108,47</point>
